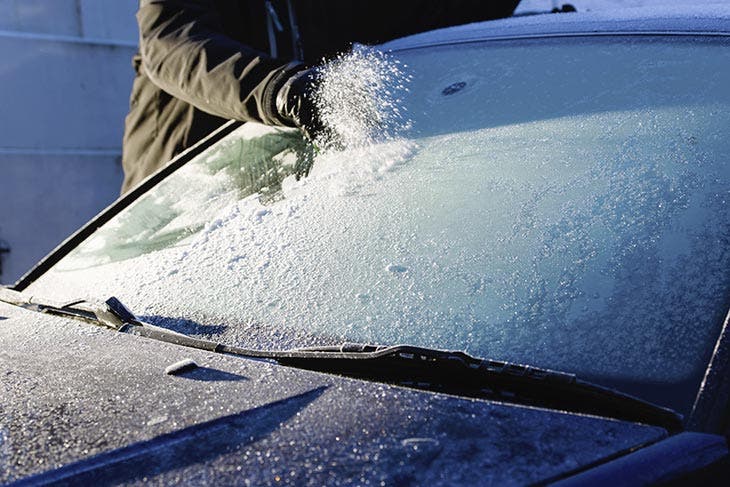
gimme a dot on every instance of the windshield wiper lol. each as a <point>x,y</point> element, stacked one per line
<point>451,372</point>
<point>455,372</point>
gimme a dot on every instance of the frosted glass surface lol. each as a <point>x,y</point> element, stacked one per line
<point>560,203</point>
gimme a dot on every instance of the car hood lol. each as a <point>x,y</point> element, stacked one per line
<point>81,402</point>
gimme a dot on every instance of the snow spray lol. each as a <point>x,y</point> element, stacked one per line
<point>360,99</point>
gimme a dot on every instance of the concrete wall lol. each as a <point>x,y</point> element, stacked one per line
<point>91,19</point>
<point>64,88</point>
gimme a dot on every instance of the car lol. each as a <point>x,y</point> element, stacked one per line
<point>523,280</point>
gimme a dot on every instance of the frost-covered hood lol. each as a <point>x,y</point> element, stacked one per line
<point>99,405</point>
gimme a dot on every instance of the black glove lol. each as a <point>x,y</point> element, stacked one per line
<point>296,105</point>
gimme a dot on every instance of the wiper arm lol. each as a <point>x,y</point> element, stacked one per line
<point>451,372</point>
<point>110,314</point>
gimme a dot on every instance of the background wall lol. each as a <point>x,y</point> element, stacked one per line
<point>65,79</point>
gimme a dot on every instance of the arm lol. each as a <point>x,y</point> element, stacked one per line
<point>185,52</point>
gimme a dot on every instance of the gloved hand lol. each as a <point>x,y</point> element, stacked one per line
<point>296,105</point>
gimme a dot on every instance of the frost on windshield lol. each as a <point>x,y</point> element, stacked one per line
<point>254,162</point>
<point>551,206</point>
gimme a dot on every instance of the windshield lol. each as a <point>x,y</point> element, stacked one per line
<point>562,203</point>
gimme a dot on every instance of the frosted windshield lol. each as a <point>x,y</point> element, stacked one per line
<point>562,203</point>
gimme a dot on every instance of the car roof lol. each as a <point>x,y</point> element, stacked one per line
<point>712,19</point>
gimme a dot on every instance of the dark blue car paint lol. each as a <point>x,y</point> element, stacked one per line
<point>664,461</point>
<point>95,403</point>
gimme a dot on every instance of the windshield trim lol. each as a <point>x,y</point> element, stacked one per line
<point>553,35</point>
<point>710,410</point>
<point>120,204</point>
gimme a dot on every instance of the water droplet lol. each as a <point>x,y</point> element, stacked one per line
<point>396,269</point>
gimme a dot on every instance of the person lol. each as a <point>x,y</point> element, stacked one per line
<point>203,62</point>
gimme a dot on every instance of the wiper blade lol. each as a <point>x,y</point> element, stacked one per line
<point>458,373</point>
<point>452,372</point>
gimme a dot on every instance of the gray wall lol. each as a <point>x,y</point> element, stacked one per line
<point>95,19</point>
<point>64,88</point>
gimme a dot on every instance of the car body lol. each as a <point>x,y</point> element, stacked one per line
<point>559,200</point>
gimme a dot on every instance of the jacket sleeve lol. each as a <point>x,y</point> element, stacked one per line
<point>185,53</point>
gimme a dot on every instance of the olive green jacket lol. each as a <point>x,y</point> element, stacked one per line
<point>203,62</point>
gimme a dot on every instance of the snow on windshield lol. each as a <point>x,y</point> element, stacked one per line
<point>560,203</point>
